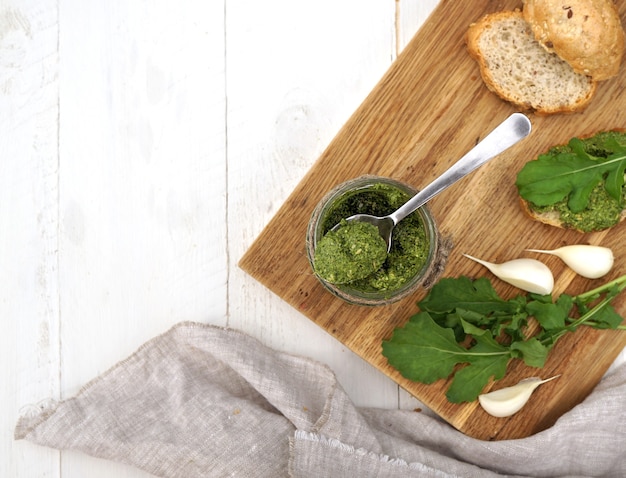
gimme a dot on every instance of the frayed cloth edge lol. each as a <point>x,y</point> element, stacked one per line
<point>336,444</point>
<point>32,415</point>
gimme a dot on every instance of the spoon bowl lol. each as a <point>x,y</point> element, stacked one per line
<point>509,132</point>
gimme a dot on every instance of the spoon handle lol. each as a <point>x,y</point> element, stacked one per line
<point>510,131</point>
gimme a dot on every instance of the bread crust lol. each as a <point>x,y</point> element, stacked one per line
<point>493,20</point>
<point>588,34</point>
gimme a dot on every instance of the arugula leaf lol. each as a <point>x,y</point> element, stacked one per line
<point>551,315</point>
<point>462,293</point>
<point>602,315</point>
<point>424,351</point>
<point>513,328</point>
<point>614,181</point>
<point>486,359</point>
<point>532,351</point>
<point>461,321</point>
<point>574,171</point>
<point>476,302</point>
<point>469,381</point>
<point>471,329</point>
<point>607,318</point>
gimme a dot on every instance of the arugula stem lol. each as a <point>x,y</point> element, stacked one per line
<point>470,352</point>
<point>586,296</point>
<point>591,323</point>
<point>591,312</point>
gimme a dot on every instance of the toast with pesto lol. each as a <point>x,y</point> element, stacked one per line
<point>578,185</point>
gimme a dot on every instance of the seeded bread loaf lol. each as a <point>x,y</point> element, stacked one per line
<point>518,69</point>
<point>588,34</point>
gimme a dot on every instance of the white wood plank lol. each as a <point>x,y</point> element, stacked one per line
<point>142,182</point>
<point>292,84</point>
<point>29,342</point>
<point>411,15</point>
<point>28,226</point>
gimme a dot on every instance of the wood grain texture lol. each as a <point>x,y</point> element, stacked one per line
<point>427,110</point>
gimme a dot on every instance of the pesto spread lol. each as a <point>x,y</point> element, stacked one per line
<point>601,213</point>
<point>352,252</point>
<point>409,245</point>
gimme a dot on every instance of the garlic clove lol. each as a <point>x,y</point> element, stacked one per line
<point>510,400</point>
<point>530,275</point>
<point>586,260</point>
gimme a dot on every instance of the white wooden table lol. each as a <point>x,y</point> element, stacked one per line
<point>144,145</point>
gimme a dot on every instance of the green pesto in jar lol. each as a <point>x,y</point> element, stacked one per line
<point>352,252</point>
<point>409,245</point>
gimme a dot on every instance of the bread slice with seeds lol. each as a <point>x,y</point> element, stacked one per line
<point>588,34</point>
<point>519,70</point>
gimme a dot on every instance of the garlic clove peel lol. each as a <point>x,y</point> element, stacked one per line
<point>530,275</point>
<point>510,400</point>
<point>586,260</point>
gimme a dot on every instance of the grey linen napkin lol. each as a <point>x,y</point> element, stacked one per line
<point>207,401</point>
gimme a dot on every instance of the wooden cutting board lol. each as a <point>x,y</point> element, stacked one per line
<point>425,113</point>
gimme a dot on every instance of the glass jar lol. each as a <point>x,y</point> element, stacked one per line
<point>359,196</point>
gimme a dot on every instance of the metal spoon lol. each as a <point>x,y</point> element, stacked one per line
<point>510,131</point>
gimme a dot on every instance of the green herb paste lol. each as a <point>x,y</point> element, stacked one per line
<point>602,212</point>
<point>409,246</point>
<point>352,252</point>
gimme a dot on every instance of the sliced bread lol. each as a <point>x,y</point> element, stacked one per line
<point>519,70</point>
